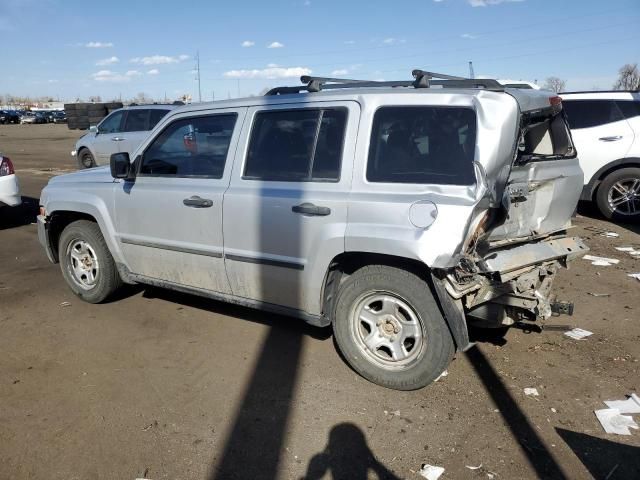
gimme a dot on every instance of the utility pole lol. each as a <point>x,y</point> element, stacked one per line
<point>198,75</point>
<point>471,72</point>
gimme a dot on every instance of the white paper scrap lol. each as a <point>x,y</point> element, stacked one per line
<point>634,275</point>
<point>601,261</point>
<point>625,249</point>
<point>613,422</point>
<point>578,333</point>
<point>431,472</point>
<point>610,234</point>
<point>531,391</point>
<point>630,405</point>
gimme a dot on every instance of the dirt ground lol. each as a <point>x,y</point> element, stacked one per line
<point>162,385</point>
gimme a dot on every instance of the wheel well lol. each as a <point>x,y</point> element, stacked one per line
<point>609,169</point>
<point>58,221</point>
<point>346,263</point>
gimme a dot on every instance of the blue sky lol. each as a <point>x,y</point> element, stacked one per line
<point>70,49</point>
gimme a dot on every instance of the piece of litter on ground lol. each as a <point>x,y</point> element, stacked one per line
<point>473,468</point>
<point>625,249</point>
<point>531,391</point>
<point>599,294</point>
<point>630,405</point>
<point>578,333</point>
<point>443,374</point>
<point>431,472</point>
<point>601,261</point>
<point>614,422</point>
<point>554,410</point>
<point>634,275</point>
<point>610,234</point>
<point>65,304</point>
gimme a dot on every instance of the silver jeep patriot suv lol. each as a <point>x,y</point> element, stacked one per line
<point>396,212</point>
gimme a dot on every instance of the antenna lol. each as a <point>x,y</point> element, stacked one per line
<point>471,73</point>
<point>198,75</point>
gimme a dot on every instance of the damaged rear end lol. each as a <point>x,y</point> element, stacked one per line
<point>518,237</point>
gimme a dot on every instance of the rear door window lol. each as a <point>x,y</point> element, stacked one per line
<point>296,145</point>
<point>433,145</point>
<point>591,113</point>
<point>137,120</point>
<point>191,147</point>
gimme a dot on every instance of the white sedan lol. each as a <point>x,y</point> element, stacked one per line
<point>9,187</point>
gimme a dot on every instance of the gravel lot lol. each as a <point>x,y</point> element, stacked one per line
<point>168,386</point>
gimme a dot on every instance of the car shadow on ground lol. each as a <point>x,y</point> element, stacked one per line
<point>24,214</point>
<point>589,209</point>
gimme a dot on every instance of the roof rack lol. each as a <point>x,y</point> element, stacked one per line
<point>422,79</point>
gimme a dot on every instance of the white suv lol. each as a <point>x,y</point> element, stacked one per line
<point>9,187</point>
<point>606,131</point>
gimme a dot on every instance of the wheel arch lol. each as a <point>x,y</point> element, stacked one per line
<point>346,263</point>
<point>590,190</point>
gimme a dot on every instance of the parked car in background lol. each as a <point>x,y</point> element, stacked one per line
<point>120,131</point>
<point>9,186</point>
<point>60,117</point>
<point>9,116</point>
<point>458,199</point>
<point>32,118</point>
<point>606,131</point>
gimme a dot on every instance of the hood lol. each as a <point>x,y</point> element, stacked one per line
<point>90,175</point>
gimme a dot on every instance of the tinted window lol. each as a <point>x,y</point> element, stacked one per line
<point>111,124</point>
<point>137,120</point>
<point>155,115</point>
<point>629,108</point>
<point>423,145</point>
<point>590,113</point>
<point>296,145</point>
<point>191,147</point>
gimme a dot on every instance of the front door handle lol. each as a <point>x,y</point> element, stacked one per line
<point>613,138</point>
<point>197,202</point>
<point>311,209</point>
<point>117,139</point>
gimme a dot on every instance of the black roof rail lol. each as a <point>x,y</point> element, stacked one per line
<point>422,79</point>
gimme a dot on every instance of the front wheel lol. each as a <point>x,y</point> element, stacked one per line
<point>389,328</point>
<point>618,196</point>
<point>85,159</point>
<point>86,263</point>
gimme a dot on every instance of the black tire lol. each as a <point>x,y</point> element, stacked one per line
<point>624,213</point>
<point>436,344</point>
<point>107,279</point>
<point>85,159</point>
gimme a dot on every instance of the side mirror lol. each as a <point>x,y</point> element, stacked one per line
<point>121,166</point>
<point>93,129</point>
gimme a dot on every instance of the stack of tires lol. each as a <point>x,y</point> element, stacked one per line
<point>82,115</point>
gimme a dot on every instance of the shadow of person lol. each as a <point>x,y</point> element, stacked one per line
<point>347,456</point>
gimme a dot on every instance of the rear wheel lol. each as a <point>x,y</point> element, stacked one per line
<point>389,328</point>
<point>618,195</point>
<point>86,263</point>
<point>85,159</point>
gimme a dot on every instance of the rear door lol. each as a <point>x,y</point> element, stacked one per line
<point>600,132</point>
<point>169,220</point>
<point>285,212</point>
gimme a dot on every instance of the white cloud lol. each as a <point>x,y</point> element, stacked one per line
<point>107,61</point>
<point>438,1</point>
<point>153,71</point>
<point>307,3</point>
<point>52,81</point>
<point>247,43</point>
<point>349,42</point>
<point>115,77</point>
<point>468,36</point>
<point>341,71</point>
<point>275,45</point>
<point>484,3</point>
<point>98,44</point>
<point>269,73</point>
<point>159,59</point>
<point>393,41</point>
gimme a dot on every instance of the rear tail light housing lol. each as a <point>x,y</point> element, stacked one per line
<point>6,167</point>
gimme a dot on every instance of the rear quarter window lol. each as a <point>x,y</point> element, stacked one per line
<point>423,145</point>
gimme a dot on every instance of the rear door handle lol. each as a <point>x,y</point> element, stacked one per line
<point>311,209</point>
<point>117,139</point>
<point>197,202</point>
<point>613,138</point>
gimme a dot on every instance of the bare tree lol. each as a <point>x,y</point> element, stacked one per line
<point>142,98</point>
<point>628,78</point>
<point>555,84</point>
<point>95,99</point>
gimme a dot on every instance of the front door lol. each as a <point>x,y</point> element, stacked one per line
<point>107,139</point>
<point>169,220</point>
<point>285,212</point>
